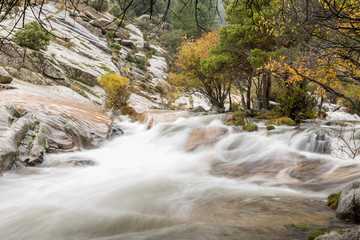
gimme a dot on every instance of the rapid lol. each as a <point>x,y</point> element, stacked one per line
<point>194,178</point>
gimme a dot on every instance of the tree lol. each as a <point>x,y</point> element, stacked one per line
<point>190,76</point>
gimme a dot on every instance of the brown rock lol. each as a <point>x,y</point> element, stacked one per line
<point>205,136</point>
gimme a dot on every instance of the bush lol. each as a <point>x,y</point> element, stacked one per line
<point>140,61</point>
<point>297,104</point>
<point>333,200</point>
<point>117,90</point>
<point>251,127</point>
<point>173,39</point>
<point>281,121</point>
<point>237,115</point>
<point>270,127</point>
<point>129,111</point>
<point>115,10</point>
<point>99,5</point>
<point>33,36</point>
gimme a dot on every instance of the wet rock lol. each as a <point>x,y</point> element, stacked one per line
<point>199,109</point>
<point>60,121</point>
<point>11,134</point>
<point>76,163</point>
<point>217,109</point>
<point>349,203</point>
<point>116,131</point>
<point>5,76</point>
<point>206,136</point>
<point>342,234</point>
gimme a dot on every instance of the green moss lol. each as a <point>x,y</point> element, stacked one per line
<point>303,226</point>
<point>270,127</point>
<point>315,235</point>
<point>333,200</point>
<point>281,121</point>
<point>239,122</point>
<point>105,68</point>
<point>251,127</point>
<point>237,115</point>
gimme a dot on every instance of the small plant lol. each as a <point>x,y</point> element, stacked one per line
<point>270,127</point>
<point>33,36</point>
<point>251,127</point>
<point>76,89</point>
<point>315,235</point>
<point>115,47</point>
<point>333,200</point>
<point>117,90</point>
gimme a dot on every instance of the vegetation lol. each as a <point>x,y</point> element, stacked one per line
<point>117,90</point>
<point>281,121</point>
<point>270,127</point>
<point>139,61</point>
<point>251,127</point>
<point>99,5</point>
<point>315,235</point>
<point>191,75</point>
<point>33,36</point>
<point>333,200</point>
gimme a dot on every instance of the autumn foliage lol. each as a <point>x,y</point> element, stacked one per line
<point>117,90</point>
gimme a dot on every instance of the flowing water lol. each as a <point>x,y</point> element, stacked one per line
<point>145,185</point>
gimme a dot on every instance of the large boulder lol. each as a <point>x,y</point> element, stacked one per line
<point>342,234</point>
<point>79,74</point>
<point>349,203</point>
<point>129,44</point>
<point>5,76</point>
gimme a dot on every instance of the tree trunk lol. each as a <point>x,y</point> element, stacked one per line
<point>248,94</point>
<point>266,90</point>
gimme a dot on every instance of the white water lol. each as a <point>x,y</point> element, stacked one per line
<point>145,186</point>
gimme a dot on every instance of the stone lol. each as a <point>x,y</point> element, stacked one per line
<point>95,30</point>
<point>217,109</point>
<point>145,17</point>
<point>116,131</point>
<point>128,43</point>
<point>12,55</point>
<point>79,74</point>
<point>342,234</point>
<point>199,109</point>
<point>5,76</point>
<point>134,30</point>
<point>206,136</point>
<point>121,33</point>
<point>349,203</point>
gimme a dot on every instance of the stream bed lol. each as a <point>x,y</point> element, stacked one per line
<point>160,184</point>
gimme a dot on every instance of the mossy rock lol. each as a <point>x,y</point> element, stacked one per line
<point>270,127</point>
<point>129,111</point>
<point>236,115</point>
<point>251,127</point>
<point>333,200</point>
<point>239,122</point>
<point>315,235</point>
<point>281,121</point>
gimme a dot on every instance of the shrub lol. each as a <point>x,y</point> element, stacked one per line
<point>115,10</point>
<point>140,61</point>
<point>99,5</point>
<point>33,36</point>
<point>297,104</point>
<point>333,200</point>
<point>117,90</point>
<point>281,121</point>
<point>237,115</point>
<point>239,122</point>
<point>129,111</point>
<point>115,47</point>
<point>173,39</point>
<point>251,127</point>
<point>270,127</point>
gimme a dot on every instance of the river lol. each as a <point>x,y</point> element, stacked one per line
<point>154,184</point>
